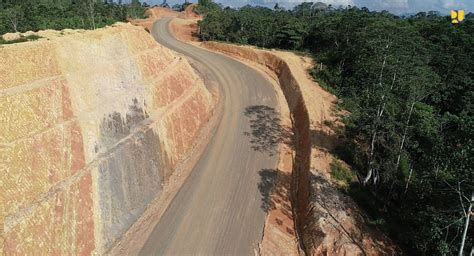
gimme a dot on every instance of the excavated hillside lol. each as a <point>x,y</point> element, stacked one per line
<point>92,126</point>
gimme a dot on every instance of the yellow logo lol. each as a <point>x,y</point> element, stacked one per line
<point>457,16</point>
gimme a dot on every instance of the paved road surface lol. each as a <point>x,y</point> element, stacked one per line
<point>218,209</point>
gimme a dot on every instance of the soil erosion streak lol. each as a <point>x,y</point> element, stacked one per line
<point>219,209</point>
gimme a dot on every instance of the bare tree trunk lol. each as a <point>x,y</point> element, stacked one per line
<point>92,12</point>
<point>13,16</point>
<point>466,225</point>
<point>408,181</point>
<point>404,135</point>
<point>14,24</point>
<point>372,147</point>
<point>380,111</point>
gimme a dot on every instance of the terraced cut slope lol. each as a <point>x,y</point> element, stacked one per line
<point>92,125</point>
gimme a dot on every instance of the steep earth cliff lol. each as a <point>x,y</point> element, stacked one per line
<point>92,124</point>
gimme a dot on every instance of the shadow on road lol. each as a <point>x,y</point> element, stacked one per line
<point>266,129</point>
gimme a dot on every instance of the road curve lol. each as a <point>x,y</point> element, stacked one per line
<point>218,210</point>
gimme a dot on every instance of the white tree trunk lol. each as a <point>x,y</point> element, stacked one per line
<point>466,225</point>
<point>404,136</point>
<point>92,13</point>
<point>371,154</point>
<point>409,178</point>
<point>368,176</point>
<point>14,21</point>
<point>380,111</point>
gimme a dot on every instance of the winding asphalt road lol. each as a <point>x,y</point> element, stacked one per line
<point>218,210</point>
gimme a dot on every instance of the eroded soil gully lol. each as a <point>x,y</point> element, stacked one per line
<point>300,178</point>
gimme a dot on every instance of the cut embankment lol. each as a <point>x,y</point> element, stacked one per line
<point>93,124</point>
<point>300,181</point>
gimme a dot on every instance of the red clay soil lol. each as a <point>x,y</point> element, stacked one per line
<point>184,30</point>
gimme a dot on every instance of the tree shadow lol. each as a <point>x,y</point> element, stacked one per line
<point>324,140</point>
<point>327,136</point>
<point>274,187</point>
<point>266,187</point>
<point>267,132</point>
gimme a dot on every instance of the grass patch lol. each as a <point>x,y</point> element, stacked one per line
<point>342,174</point>
<point>379,222</point>
<point>20,40</point>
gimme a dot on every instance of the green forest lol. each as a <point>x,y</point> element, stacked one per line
<point>34,15</point>
<point>407,84</point>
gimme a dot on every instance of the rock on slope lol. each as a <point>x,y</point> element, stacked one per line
<point>92,125</point>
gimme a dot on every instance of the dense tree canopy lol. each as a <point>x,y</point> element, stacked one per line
<point>25,15</point>
<point>206,6</point>
<point>408,84</point>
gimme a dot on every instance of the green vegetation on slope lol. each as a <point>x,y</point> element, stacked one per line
<point>20,39</point>
<point>34,15</point>
<point>408,86</point>
<point>341,174</point>
<point>206,6</point>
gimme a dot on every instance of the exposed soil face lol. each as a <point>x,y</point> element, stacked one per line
<point>185,30</point>
<point>96,123</point>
